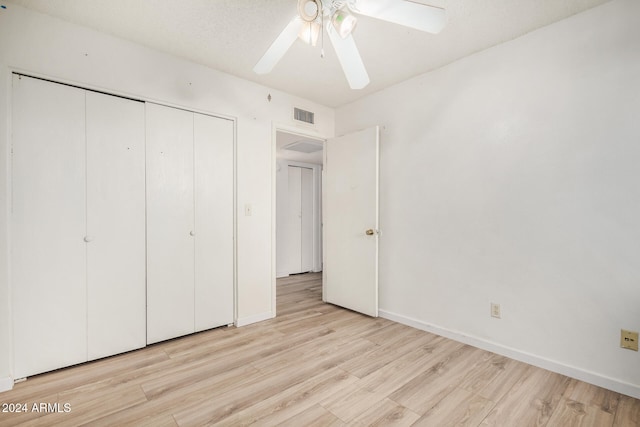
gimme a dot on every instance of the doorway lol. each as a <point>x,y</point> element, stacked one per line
<point>349,199</point>
<point>299,161</point>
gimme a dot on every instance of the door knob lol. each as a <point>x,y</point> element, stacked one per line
<point>369,232</point>
<point>192,233</point>
<point>88,238</point>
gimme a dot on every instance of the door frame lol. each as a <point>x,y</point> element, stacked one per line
<point>302,132</point>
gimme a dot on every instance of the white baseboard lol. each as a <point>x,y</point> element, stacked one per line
<point>280,274</point>
<point>6,384</point>
<point>243,321</point>
<point>532,359</point>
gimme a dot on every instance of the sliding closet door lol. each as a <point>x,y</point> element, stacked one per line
<point>213,149</point>
<point>170,223</point>
<point>115,225</point>
<point>48,254</point>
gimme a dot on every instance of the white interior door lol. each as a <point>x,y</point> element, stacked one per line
<point>116,298</point>
<point>170,223</point>
<point>213,159</point>
<point>351,221</point>
<point>48,254</point>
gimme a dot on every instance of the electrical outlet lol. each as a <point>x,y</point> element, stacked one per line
<point>629,339</point>
<point>495,311</point>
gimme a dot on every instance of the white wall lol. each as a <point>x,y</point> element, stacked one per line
<point>43,46</point>
<point>513,176</point>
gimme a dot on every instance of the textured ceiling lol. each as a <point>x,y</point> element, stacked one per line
<point>232,35</point>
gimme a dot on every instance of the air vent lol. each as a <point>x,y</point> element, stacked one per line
<point>303,116</point>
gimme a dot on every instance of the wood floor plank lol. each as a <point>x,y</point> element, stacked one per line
<point>531,401</point>
<point>187,396</point>
<point>387,414</point>
<point>163,420</point>
<point>604,400</point>
<point>627,413</point>
<point>17,418</point>
<point>315,364</point>
<point>396,374</point>
<point>393,348</point>
<point>292,401</point>
<point>494,378</point>
<point>87,408</point>
<point>315,416</point>
<point>431,386</point>
<point>40,386</point>
<point>352,401</point>
<point>571,413</point>
<point>459,408</point>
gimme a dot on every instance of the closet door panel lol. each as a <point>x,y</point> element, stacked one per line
<point>306,222</point>
<point>48,254</point>
<point>115,225</point>
<point>213,149</point>
<point>170,223</point>
<point>294,220</point>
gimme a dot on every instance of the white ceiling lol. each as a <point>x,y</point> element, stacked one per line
<point>232,35</point>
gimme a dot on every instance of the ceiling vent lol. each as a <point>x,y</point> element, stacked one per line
<point>304,116</point>
<point>304,146</point>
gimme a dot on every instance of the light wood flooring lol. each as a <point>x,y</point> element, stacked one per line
<point>315,365</point>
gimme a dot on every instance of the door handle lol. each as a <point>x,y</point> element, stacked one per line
<point>87,239</point>
<point>370,232</point>
<point>192,233</point>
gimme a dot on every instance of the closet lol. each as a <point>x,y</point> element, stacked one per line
<point>189,222</point>
<point>77,225</point>
<point>300,220</point>
<point>122,224</point>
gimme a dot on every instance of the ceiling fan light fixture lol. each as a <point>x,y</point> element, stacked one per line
<point>309,10</point>
<point>309,33</point>
<point>344,22</point>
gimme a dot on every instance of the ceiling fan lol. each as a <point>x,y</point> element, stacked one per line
<point>341,21</point>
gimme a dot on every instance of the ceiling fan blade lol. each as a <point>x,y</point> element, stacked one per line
<point>349,58</point>
<point>279,47</point>
<point>421,17</point>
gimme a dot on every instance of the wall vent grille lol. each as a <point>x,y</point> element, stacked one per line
<point>304,116</point>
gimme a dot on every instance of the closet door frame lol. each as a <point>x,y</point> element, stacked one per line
<point>11,72</point>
